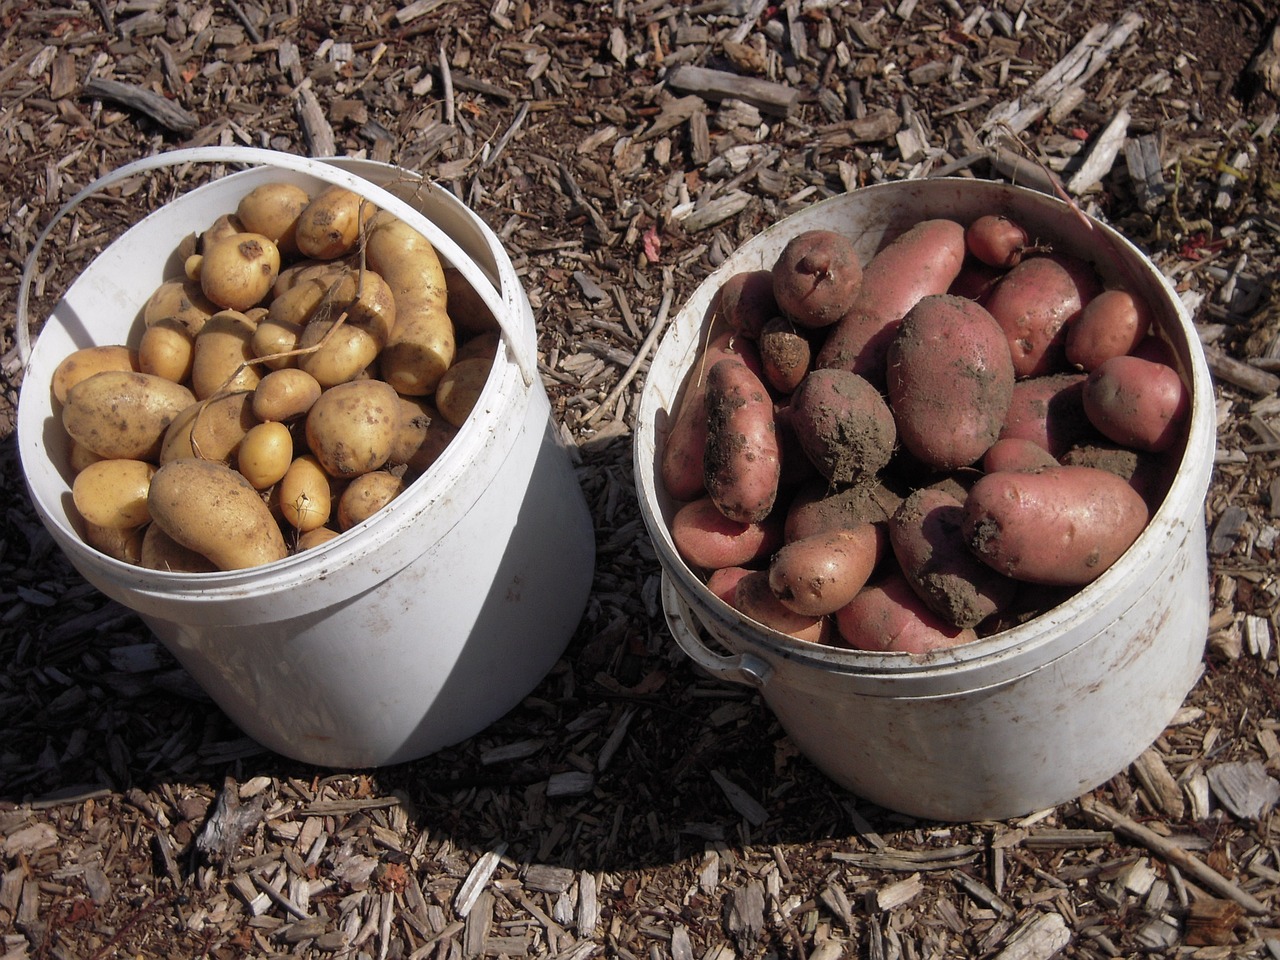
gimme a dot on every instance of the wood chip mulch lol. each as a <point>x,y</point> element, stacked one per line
<point>631,807</point>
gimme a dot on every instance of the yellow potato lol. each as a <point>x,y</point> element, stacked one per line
<point>342,354</point>
<point>227,225</point>
<point>223,356</point>
<point>211,509</point>
<point>484,345</point>
<point>272,210</point>
<point>210,429</point>
<point>422,437</point>
<point>124,544</point>
<point>159,551</point>
<point>366,495</point>
<point>113,493</point>
<point>304,495</point>
<point>80,457</point>
<point>275,341</point>
<point>330,224</point>
<point>181,300</point>
<point>285,395</point>
<point>470,315</point>
<point>121,415</point>
<point>460,387</point>
<point>237,272</point>
<point>314,538</point>
<point>352,427</point>
<point>84,363</point>
<point>300,270</point>
<point>265,454</point>
<point>166,350</point>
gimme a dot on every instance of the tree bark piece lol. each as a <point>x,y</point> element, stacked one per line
<point>776,99</point>
<point>163,111</point>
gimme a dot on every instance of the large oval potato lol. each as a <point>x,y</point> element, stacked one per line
<point>85,362</point>
<point>329,225</point>
<point>210,429</point>
<point>1137,403</point>
<point>237,272</point>
<point>888,617</point>
<point>121,415</point>
<point>708,540</point>
<point>113,493</point>
<point>272,209</point>
<point>352,427</point>
<point>265,454</point>
<point>211,509</point>
<point>843,424</point>
<point>1061,525</point>
<point>285,395</point>
<point>1033,303</point>
<point>223,357</point>
<point>743,460</point>
<point>818,575</point>
<point>1112,324</point>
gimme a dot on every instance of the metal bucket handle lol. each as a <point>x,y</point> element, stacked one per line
<point>743,668</point>
<point>522,353</point>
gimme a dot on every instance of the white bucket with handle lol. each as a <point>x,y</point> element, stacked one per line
<point>418,627</point>
<point>1018,721</point>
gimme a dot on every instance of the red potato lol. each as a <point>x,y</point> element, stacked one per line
<point>1157,349</point>
<point>1015,453</point>
<point>685,448</point>
<point>1061,525</point>
<point>928,542</point>
<point>888,617</point>
<point>724,582</point>
<point>1149,473</point>
<point>1049,411</point>
<point>745,302</point>
<point>796,467</point>
<point>742,463</point>
<point>950,380</point>
<point>818,575</point>
<point>843,425</point>
<point>708,540</point>
<point>817,508</point>
<point>816,277</point>
<point>1112,324</point>
<point>1033,305</point>
<point>1137,403</point>
<point>923,261</point>
<point>997,241</point>
<point>785,354</point>
<point>753,598</point>
<point>976,280</point>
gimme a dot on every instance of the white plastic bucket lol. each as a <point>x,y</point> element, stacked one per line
<point>1015,722</point>
<point>423,624</point>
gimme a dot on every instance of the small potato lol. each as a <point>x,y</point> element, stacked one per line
<point>1049,411</point>
<point>180,300</point>
<point>226,226</point>
<point>273,343</point>
<point>888,617</point>
<point>708,540</point>
<point>211,509</point>
<point>1060,526</point>
<point>484,345</point>
<point>210,429</point>
<point>422,436</point>
<point>123,415</point>
<point>820,574</point>
<point>753,598</point>
<point>816,277</point>
<point>1112,324</point>
<point>785,354</point>
<point>305,496</point>
<point>167,349</point>
<point>365,496</point>
<point>470,314</point>
<point>742,464</point>
<point>1034,304</point>
<point>1015,453</point>
<point>1137,403</point>
<point>997,240</point>
<point>80,457</point>
<point>745,302</point>
<point>265,454</point>
<point>352,427</point>
<point>285,395</point>
<point>460,387</point>
<point>316,537</point>
<point>113,493</point>
<point>124,544</point>
<point>724,582</point>
<point>844,425</point>
<point>85,362</point>
<point>161,552</point>
<point>329,225</point>
<point>272,209</point>
<point>237,273</point>
<point>336,355</point>
<point>223,357</point>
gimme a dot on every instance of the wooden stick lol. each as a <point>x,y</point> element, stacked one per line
<point>1173,854</point>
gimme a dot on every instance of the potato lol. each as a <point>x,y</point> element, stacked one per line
<point>459,389</point>
<point>922,261</point>
<point>352,427</point>
<point>80,457</point>
<point>225,227</point>
<point>753,598</point>
<point>222,358</point>
<point>818,575</point>
<point>237,272</point>
<point>1112,324</point>
<point>843,424</point>
<point>975,281</point>
<point>1049,411</point>
<point>785,354</point>
<point>285,395</point>
<point>928,542</point>
<point>316,537</point>
<point>329,225</point>
<point>167,349</point>
<point>211,509</point>
<point>113,493</point>
<point>422,436</point>
<point>708,540</point>
<point>366,495</point>
<point>1034,303</point>
<point>123,544</point>
<point>724,582</point>
<point>1015,453</point>
<point>338,352</point>
<point>816,508</point>
<point>950,380</point>
<point>1148,473</point>
<point>272,209</point>
<point>122,415</point>
<point>816,277</point>
<point>796,469</point>
<point>422,345</point>
<point>471,316</point>
<point>210,429</point>
<point>1061,525</point>
<point>742,461</point>
<point>997,241</point>
<point>1137,403</point>
<point>684,450</point>
<point>265,454</point>
<point>181,300</point>
<point>84,363</point>
<point>305,495</point>
<point>745,302</point>
<point>888,617</point>
<point>483,345</point>
<point>273,343</point>
<point>161,552</point>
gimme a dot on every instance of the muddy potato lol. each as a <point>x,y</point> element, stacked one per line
<point>120,415</point>
<point>366,495</point>
<point>159,551</point>
<point>124,544</point>
<point>238,271</point>
<point>352,427</point>
<point>167,349</point>
<point>223,356</point>
<point>460,387</point>
<point>113,493</point>
<point>272,209</point>
<point>181,300</point>
<point>305,495</point>
<point>84,363</point>
<point>330,223</point>
<point>210,429</point>
<point>265,454</point>
<point>211,509</point>
<point>285,395</point>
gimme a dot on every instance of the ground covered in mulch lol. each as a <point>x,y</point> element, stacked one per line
<point>631,805</point>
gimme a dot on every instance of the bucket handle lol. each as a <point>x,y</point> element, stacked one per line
<point>744,668</point>
<point>522,353</point>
